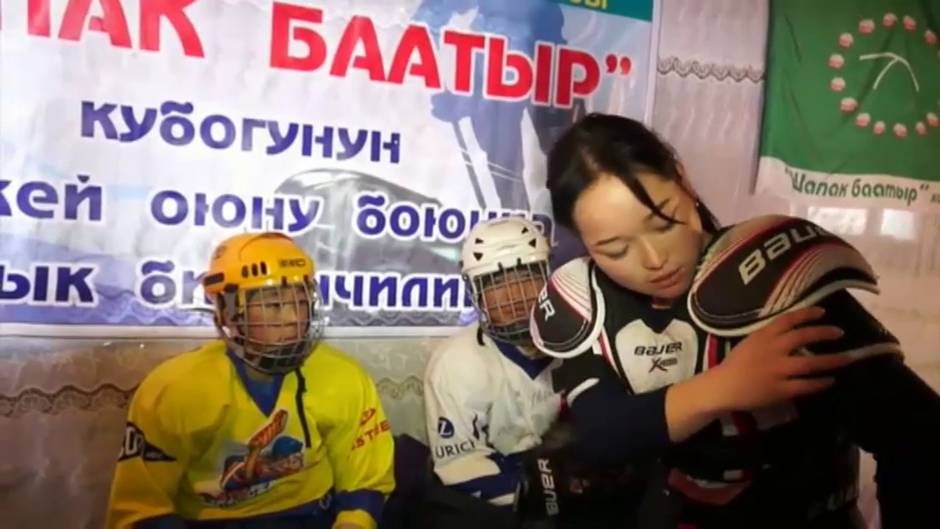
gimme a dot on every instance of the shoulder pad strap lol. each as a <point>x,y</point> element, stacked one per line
<point>864,335</point>
<point>768,266</point>
<point>570,312</point>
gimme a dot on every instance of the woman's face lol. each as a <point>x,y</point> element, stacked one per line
<point>637,249</point>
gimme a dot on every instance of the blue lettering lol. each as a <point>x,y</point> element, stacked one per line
<point>137,129</point>
<point>228,131</point>
<point>177,129</point>
<point>92,116</point>
<point>370,219</point>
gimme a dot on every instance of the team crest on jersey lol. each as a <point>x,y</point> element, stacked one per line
<point>650,360</point>
<point>267,456</point>
<point>136,445</point>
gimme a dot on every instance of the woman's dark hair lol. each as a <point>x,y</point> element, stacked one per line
<point>603,144</point>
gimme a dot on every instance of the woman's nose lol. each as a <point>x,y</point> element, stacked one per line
<point>653,258</point>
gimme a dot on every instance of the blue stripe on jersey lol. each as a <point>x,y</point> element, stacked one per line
<point>531,366</point>
<point>489,487</point>
<point>315,514</point>
<point>371,501</point>
<point>163,521</point>
<point>263,393</point>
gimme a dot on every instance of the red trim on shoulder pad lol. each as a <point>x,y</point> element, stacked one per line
<point>569,312</point>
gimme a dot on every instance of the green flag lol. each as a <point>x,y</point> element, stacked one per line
<point>852,106</point>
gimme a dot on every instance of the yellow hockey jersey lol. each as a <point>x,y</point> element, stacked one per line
<point>198,445</point>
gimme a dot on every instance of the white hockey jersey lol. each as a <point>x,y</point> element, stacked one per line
<point>486,402</point>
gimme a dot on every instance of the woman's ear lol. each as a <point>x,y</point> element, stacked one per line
<point>685,183</point>
<point>695,216</point>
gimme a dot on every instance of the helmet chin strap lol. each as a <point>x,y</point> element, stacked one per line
<point>255,373</point>
<point>529,350</point>
<point>522,342</point>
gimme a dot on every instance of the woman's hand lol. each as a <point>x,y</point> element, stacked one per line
<point>763,370</point>
<point>760,371</point>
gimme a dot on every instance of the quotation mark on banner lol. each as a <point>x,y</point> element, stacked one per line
<point>624,63</point>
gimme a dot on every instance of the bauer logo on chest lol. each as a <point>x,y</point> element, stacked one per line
<point>649,360</point>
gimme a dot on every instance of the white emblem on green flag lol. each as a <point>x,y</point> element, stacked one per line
<point>852,109</point>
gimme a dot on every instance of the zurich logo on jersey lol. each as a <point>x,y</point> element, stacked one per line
<point>445,428</point>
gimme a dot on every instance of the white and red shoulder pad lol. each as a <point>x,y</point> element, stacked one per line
<point>569,315</point>
<point>771,265</point>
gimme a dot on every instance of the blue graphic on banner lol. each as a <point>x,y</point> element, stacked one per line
<point>498,124</point>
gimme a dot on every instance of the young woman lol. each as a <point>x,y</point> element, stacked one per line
<point>750,434</point>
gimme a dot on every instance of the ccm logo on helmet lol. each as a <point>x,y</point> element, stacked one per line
<point>292,262</point>
<point>548,488</point>
<point>774,247</point>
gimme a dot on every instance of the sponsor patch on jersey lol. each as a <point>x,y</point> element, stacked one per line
<point>455,449</point>
<point>366,416</point>
<point>445,428</point>
<point>370,434</point>
<point>136,445</point>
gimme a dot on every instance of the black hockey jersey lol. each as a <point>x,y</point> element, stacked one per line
<point>619,348</point>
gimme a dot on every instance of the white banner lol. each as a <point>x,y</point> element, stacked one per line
<point>135,135</point>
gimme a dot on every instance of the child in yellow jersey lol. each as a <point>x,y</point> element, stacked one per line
<point>264,428</point>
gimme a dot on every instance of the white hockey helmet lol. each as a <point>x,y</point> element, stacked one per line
<point>505,265</point>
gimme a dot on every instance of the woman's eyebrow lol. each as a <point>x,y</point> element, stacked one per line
<point>659,207</point>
